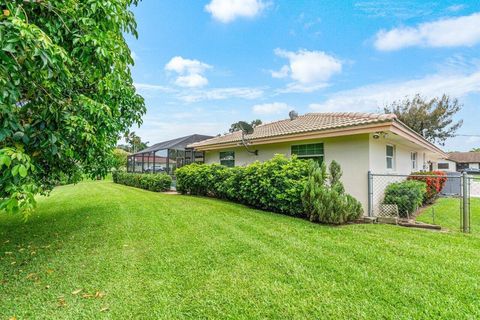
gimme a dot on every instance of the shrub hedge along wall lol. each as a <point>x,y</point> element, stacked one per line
<point>147,181</point>
<point>275,185</point>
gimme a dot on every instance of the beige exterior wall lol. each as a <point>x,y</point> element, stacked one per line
<point>357,154</point>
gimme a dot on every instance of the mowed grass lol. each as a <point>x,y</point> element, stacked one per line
<point>447,213</point>
<point>168,256</point>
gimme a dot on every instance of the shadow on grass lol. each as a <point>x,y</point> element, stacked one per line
<point>45,233</point>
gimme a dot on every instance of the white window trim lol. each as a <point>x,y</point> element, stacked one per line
<point>394,162</point>
<point>414,162</point>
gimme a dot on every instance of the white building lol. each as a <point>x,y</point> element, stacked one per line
<point>359,142</point>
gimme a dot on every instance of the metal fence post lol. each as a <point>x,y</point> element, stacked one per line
<point>370,194</point>
<point>466,207</point>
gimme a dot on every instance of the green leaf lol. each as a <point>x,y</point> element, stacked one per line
<point>23,171</point>
<point>15,170</point>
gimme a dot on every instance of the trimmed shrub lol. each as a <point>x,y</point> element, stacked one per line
<point>327,202</point>
<point>274,185</point>
<point>147,181</point>
<point>285,185</point>
<point>435,181</point>
<point>407,195</point>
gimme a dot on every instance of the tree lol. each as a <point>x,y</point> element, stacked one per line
<point>66,92</point>
<point>119,158</point>
<point>475,150</point>
<point>235,126</point>
<point>134,142</point>
<point>432,118</point>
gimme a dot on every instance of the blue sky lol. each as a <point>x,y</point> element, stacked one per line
<point>202,65</point>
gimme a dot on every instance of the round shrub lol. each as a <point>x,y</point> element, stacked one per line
<point>407,195</point>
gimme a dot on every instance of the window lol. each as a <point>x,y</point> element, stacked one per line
<point>414,157</point>
<point>309,151</point>
<point>227,158</point>
<point>443,166</point>
<point>390,156</point>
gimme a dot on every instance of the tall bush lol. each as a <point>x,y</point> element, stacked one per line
<point>327,202</point>
<point>435,181</point>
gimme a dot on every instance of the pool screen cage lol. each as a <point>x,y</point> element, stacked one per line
<point>167,156</point>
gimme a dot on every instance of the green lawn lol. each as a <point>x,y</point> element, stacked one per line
<point>446,212</point>
<point>168,256</point>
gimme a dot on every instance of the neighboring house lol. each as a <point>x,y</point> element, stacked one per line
<point>359,142</point>
<point>464,160</point>
<point>166,156</point>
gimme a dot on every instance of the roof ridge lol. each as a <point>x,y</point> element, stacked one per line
<point>369,115</point>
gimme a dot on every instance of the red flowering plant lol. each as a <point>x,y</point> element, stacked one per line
<point>435,181</point>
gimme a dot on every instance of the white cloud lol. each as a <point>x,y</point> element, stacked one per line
<point>228,10</point>
<point>373,97</point>
<point>190,72</point>
<point>222,94</point>
<point>309,70</point>
<point>456,7</point>
<point>397,10</point>
<point>191,81</point>
<point>452,32</point>
<point>282,73</point>
<point>270,108</point>
<point>153,87</point>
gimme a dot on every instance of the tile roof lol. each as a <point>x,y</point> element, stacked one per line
<point>304,123</point>
<point>464,157</point>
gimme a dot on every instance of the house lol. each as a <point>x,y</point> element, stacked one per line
<point>166,156</point>
<point>359,142</point>
<point>460,161</point>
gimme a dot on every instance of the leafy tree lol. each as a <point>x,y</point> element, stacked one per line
<point>134,142</point>
<point>432,118</point>
<point>119,158</point>
<point>236,127</point>
<point>475,150</point>
<point>66,92</point>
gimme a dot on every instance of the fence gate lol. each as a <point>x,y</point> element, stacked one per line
<point>459,197</point>
<point>473,201</point>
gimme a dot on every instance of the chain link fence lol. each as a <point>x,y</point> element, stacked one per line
<point>450,200</point>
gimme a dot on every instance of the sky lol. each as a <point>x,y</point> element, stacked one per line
<point>202,65</point>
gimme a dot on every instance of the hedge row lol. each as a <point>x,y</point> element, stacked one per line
<point>285,185</point>
<point>274,185</point>
<point>147,181</point>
